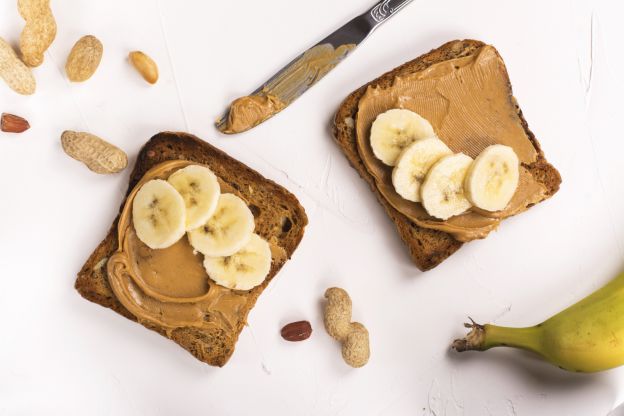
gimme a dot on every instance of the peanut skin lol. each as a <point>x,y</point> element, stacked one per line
<point>297,331</point>
<point>10,123</point>
<point>352,335</point>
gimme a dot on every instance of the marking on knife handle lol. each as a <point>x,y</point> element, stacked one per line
<point>381,11</point>
<point>385,9</point>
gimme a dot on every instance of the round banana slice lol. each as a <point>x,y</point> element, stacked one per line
<point>200,189</point>
<point>244,270</point>
<point>396,129</point>
<point>227,231</point>
<point>414,163</point>
<point>493,178</point>
<point>442,192</point>
<point>158,214</point>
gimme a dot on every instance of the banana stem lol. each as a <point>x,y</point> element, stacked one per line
<point>484,337</point>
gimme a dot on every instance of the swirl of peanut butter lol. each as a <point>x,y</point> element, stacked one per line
<point>170,287</point>
<point>469,103</point>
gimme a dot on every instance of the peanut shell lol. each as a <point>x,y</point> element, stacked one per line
<point>84,59</point>
<point>97,154</point>
<point>352,335</point>
<point>355,347</point>
<point>39,32</point>
<point>13,71</point>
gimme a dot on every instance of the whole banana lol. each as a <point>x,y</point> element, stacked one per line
<point>586,337</point>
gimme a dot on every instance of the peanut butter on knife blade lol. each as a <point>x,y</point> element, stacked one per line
<point>249,111</point>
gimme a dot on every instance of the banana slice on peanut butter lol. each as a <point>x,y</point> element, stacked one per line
<point>158,214</point>
<point>395,130</point>
<point>227,231</point>
<point>200,189</point>
<point>245,269</point>
<point>493,178</point>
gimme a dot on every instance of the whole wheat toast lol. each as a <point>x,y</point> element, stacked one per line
<point>427,247</point>
<point>278,216</point>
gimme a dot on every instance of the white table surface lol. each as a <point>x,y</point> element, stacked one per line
<point>63,355</point>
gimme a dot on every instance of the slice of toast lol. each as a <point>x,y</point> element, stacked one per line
<point>427,247</point>
<point>278,216</point>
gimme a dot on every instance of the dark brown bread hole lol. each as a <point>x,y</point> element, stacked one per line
<point>286,225</point>
<point>255,210</point>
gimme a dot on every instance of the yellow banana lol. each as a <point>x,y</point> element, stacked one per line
<point>586,337</point>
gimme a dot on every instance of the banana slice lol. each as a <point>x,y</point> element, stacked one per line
<point>442,192</point>
<point>158,214</point>
<point>414,163</point>
<point>244,270</point>
<point>493,178</point>
<point>227,231</point>
<point>396,129</point>
<point>200,189</point>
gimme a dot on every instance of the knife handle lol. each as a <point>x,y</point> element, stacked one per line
<point>385,9</point>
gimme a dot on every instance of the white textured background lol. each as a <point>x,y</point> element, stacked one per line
<point>60,354</point>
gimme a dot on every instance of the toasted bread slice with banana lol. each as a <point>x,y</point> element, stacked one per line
<point>463,90</point>
<point>200,312</point>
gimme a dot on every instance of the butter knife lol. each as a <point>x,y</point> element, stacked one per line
<point>304,71</point>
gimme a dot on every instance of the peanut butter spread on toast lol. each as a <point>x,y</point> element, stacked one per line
<point>468,101</point>
<point>170,287</point>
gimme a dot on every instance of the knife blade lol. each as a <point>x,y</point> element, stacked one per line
<point>290,82</point>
